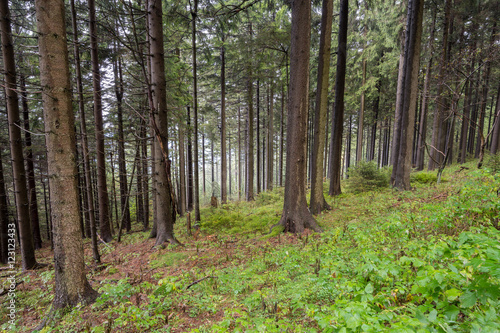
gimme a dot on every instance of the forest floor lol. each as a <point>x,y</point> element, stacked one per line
<point>425,260</point>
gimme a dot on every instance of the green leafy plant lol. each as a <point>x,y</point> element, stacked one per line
<point>366,176</point>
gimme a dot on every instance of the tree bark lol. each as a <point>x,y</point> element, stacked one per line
<point>250,144</point>
<point>361,117</point>
<point>197,218</point>
<point>440,124</point>
<point>15,139</point>
<point>4,218</point>
<point>270,140</point>
<point>338,108</point>
<point>30,169</point>
<point>423,112</point>
<point>71,285</point>
<point>296,216</point>
<point>104,223</point>
<point>318,202</point>
<point>122,167</point>
<point>223,186</point>
<point>165,214</point>
<point>401,170</point>
<point>495,139</point>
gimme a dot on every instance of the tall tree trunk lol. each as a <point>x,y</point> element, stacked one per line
<point>165,212</point>
<point>194,14</point>
<point>401,170</point>
<point>102,192</point>
<point>318,202</point>
<point>250,150</point>
<point>239,152</point>
<point>139,213</point>
<point>376,108</point>
<point>223,186</point>
<point>338,108</point>
<point>4,218</point>
<point>495,139</point>
<point>71,285</point>
<point>422,129</point>
<point>296,217</point>
<point>399,96</point>
<point>258,137</point>
<point>15,139</point>
<point>122,167</point>
<point>270,141</point>
<point>282,134</point>
<point>182,170</point>
<point>361,116</point>
<point>30,168</point>
<point>190,180</point>
<point>145,185</point>
<point>440,124</point>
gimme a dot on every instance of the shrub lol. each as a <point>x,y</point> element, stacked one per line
<point>366,176</point>
<point>423,177</point>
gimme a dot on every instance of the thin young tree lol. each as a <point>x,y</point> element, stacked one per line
<point>102,187</point>
<point>15,138</point>
<point>296,216</point>
<point>71,285</point>
<point>318,202</point>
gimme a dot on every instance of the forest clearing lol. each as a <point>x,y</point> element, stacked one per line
<point>427,260</point>
<point>249,166</point>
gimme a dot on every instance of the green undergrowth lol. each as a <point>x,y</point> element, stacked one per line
<point>426,260</point>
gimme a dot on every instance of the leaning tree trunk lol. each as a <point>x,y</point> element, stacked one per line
<point>401,170</point>
<point>165,212</point>
<point>338,108</point>
<point>318,202</point>
<point>296,216</point>
<point>71,285</point>
<point>15,139</point>
<point>102,188</point>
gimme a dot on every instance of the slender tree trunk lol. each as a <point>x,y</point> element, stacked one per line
<point>282,133</point>
<point>122,167</point>
<point>30,169</point>
<point>71,285</point>
<point>270,141</point>
<point>318,202</point>
<point>495,139</point>
<point>440,124</point>
<point>399,96</point>
<point>4,218</point>
<point>190,180</point>
<point>401,170</point>
<point>296,217</point>
<point>145,185</point>
<point>338,109</point>
<point>423,112</point>
<point>15,139</point>
<point>223,186</point>
<point>239,152</point>
<point>250,143</point>
<point>361,117</point>
<point>194,14</point>
<point>258,137</point>
<point>376,108</point>
<point>139,213</point>
<point>182,171</point>
<point>102,192</point>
